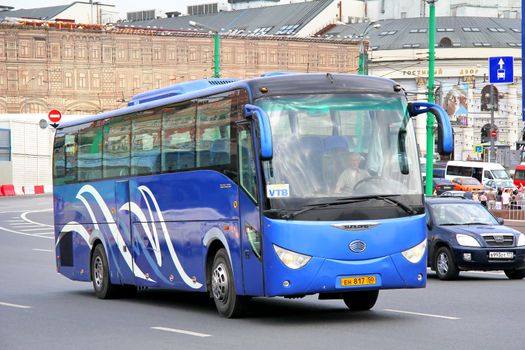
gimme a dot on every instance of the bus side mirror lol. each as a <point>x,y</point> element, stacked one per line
<point>445,144</point>
<point>265,132</point>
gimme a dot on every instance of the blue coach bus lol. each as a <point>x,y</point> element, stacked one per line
<point>231,187</point>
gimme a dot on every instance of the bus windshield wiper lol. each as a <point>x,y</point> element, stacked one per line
<point>390,200</point>
<point>322,205</point>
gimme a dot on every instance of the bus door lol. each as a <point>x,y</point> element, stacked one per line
<point>123,221</point>
<point>249,213</point>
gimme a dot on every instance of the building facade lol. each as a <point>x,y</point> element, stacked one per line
<point>87,71</point>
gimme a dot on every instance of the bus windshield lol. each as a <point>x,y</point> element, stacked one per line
<point>334,146</point>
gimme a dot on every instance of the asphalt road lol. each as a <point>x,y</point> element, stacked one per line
<point>40,309</point>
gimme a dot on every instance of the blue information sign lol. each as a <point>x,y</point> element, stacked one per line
<point>501,70</point>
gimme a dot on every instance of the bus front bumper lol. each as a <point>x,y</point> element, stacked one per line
<point>322,275</point>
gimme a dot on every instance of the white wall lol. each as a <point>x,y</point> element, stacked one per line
<point>31,151</point>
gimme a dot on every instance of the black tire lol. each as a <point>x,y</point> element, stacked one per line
<point>100,275</point>
<point>361,300</point>
<point>444,264</point>
<point>228,303</point>
<point>515,274</point>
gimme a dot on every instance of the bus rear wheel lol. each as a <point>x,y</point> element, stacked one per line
<point>228,303</point>
<point>361,300</point>
<point>100,275</point>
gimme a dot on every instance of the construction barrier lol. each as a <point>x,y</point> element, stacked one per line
<point>12,190</point>
<point>7,190</point>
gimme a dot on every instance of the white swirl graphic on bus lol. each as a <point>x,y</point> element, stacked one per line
<point>149,229</point>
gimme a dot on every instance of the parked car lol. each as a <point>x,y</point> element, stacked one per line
<point>457,194</point>
<point>506,184</point>
<point>467,184</point>
<point>464,235</point>
<point>442,185</point>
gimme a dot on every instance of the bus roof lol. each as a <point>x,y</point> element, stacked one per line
<point>274,84</point>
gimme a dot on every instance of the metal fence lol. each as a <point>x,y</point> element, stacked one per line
<point>516,210</point>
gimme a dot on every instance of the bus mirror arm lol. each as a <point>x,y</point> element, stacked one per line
<point>445,144</point>
<point>265,132</point>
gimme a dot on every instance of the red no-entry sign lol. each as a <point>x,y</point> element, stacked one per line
<point>54,116</point>
<point>493,133</point>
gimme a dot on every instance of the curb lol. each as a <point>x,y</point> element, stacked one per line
<point>17,190</point>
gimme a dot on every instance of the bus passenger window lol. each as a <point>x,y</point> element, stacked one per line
<point>145,145</point>
<point>115,160</point>
<point>90,153</point>
<point>178,138</point>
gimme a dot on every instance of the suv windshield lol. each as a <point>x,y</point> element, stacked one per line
<point>335,146</point>
<point>464,213</point>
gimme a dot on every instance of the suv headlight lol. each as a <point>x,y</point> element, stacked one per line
<point>521,240</point>
<point>291,259</point>
<point>467,241</point>
<point>416,253</point>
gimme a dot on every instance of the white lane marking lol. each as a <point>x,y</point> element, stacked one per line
<point>24,217</point>
<point>24,234</point>
<point>421,314</point>
<point>41,229</point>
<point>15,305</point>
<point>23,225</point>
<point>42,250</point>
<point>181,331</point>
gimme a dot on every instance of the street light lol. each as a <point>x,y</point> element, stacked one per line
<point>363,59</point>
<point>216,39</point>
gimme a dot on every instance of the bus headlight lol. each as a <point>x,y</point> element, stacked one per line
<point>291,259</point>
<point>415,254</point>
<point>466,240</point>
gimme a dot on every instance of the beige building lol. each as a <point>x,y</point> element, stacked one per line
<point>82,69</point>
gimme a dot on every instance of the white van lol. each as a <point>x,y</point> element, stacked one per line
<point>480,170</point>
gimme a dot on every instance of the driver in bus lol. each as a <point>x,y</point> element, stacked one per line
<point>351,175</point>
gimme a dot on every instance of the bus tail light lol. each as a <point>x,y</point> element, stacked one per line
<point>291,259</point>
<point>415,254</point>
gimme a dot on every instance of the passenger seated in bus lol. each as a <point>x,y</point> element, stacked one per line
<point>351,175</point>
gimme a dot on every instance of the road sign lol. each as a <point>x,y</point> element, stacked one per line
<point>501,70</point>
<point>54,116</point>
<point>478,149</point>
<point>493,133</point>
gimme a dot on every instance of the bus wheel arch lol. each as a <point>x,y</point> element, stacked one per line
<point>213,248</point>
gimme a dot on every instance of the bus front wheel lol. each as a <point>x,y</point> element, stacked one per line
<point>361,300</point>
<point>228,303</point>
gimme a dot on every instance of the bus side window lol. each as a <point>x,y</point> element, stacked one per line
<point>488,175</point>
<point>247,170</point>
<point>90,153</point>
<point>115,158</point>
<point>145,145</point>
<point>178,138</point>
<point>59,160</point>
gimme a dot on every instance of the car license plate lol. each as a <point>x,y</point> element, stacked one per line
<point>358,281</point>
<point>501,255</point>
<point>447,188</point>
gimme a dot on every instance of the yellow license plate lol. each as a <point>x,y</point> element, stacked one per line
<point>358,281</point>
